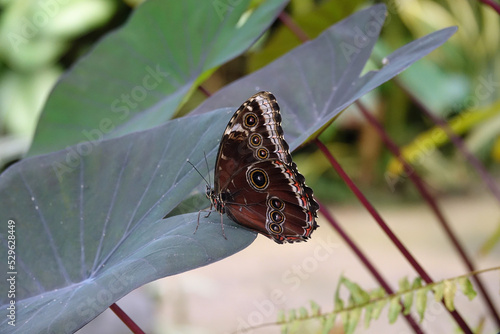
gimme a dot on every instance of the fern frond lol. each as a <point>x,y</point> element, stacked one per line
<point>350,310</point>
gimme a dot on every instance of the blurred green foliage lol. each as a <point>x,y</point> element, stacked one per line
<point>38,40</point>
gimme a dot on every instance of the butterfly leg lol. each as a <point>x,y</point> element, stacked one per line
<point>222,226</point>
<point>198,220</point>
<point>206,216</point>
<point>209,211</point>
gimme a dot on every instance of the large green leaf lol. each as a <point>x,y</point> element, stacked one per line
<point>136,77</point>
<point>88,218</point>
<point>84,222</point>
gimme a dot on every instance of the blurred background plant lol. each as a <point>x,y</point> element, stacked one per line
<point>458,82</point>
<point>38,41</point>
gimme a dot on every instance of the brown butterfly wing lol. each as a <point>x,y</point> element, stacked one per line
<point>283,209</point>
<point>256,182</point>
<point>235,152</point>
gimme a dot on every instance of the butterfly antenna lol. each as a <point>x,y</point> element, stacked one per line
<point>197,171</point>
<point>208,169</point>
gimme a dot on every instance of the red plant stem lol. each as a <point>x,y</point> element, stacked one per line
<point>303,37</point>
<point>359,253</point>
<point>492,4</point>
<point>126,319</point>
<point>372,211</point>
<point>422,273</point>
<point>294,28</point>
<point>417,181</point>
<point>204,91</point>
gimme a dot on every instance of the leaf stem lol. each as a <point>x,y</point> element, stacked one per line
<point>359,253</point>
<point>495,6</point>
<point>204,91</point>
<point>294,27</point>
<point>369,207</point>
<point>426,195</point>
<point>126,319</point>
<point>458,142</point>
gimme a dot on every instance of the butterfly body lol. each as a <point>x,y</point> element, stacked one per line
<point>256,182</point>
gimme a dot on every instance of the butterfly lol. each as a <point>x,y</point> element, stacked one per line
<point>256,183</point>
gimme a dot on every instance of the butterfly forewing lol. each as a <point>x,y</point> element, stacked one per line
<point>256,182</point>
<point>250,136</point>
